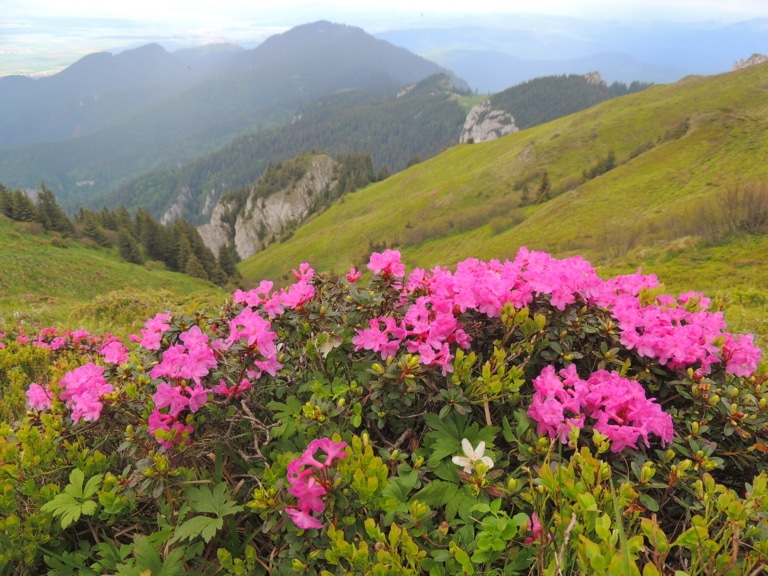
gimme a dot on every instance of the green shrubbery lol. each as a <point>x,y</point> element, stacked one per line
<point>443,423</point>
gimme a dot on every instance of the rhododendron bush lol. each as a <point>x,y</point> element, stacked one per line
<point>517,417</point>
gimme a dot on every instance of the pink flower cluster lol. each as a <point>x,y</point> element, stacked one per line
<point>152,333</point>
<point>181,364</point>
<point>679,333</point>
<point>82,390</point>
<point>185,365</point>
<point>617,406</point>
<point>275,303</point>
<point>308,480</point>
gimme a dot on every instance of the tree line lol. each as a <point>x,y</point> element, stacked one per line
<point>543,99</point>
<point>138,238</point>
<point>393,131</point>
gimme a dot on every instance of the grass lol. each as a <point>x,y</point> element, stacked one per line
<point>46,278</point>
<point>677,146</point>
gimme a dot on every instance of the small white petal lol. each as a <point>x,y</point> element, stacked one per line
<point>487,461</point>
<point>467,447</point>
<point>480,450</point>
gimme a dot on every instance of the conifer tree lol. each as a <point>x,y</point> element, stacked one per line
<point>123,219</point>
<point>50,214</point>
<point>6,202</point>
<point>92,228</point>
<point>227,261</point>
<point>194,268</point>
<point>128,248</point>
<point>22,207</point>
<point>108,219</point>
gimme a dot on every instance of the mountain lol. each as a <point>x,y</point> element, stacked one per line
<point>91,93</point>
<point>657,179</point>
<point>418,121</point>
<point>251,90</point>
<point>494,55</point>
<point>493,71</point>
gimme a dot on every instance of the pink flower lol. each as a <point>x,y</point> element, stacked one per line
<point>353,275</point>
<point>152,333</point>
<point>198,397</point>
<point>82,390</point>
<point>535,528</point>
<point>387,264</point>
<point>114,352</point>
<point>38,397</point>
<point>170,397</point>
<point>303,520</point>
<point>740,355</point>
<point>305,273</point>
<point>302,477</point>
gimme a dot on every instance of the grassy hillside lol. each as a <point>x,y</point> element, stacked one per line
<point>677,148</point>
<point>64,283</point>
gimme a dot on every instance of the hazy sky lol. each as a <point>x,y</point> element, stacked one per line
<point>46,35</point>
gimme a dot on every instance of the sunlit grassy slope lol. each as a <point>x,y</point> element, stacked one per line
<point>677,147</point>
<point>65,284</point>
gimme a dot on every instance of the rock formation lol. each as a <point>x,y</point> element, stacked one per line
<point>483,123</point>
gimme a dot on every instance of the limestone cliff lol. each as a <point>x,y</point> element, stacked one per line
<point>265,219</point>
<point>751,61</point>
<point>483,123</point>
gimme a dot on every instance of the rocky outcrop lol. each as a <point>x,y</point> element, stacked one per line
<point>595,78</point>
<point>265,219</point>
<point>751,61</point>
<point>483,123</point>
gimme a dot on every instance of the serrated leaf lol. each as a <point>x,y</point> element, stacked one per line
<point>202,526</point>
<point>92,486</point>
<point>75,486</point>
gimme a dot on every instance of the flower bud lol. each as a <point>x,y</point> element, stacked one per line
<point>378,368</point>
<point>647,472</point>
<point>512,484</point>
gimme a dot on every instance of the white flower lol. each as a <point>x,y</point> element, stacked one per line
<point>472,456</point>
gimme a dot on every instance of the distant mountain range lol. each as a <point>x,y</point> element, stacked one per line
<point>492,57</point>
<point>107,118</point>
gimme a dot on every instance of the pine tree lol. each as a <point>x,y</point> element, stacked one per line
<point>227,262</point>
<point>23,209</point>
<point>128,248</point>
<point>92,228</point>
<point>50,214</point>
<point>6,202</point>
<point>195,268</point>
<point>123,219</point>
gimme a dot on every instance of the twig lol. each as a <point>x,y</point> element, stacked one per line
<point>566,538</point>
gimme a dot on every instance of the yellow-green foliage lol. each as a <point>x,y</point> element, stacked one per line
<point>678,148</point>
<point>43,281</point>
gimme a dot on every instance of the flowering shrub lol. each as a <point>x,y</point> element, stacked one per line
<point>505,417</point>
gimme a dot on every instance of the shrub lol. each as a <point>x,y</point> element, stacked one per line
<point>521,417</point>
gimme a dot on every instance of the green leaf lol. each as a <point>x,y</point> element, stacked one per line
<point>203,526</point>
<point>693,538</point>
<point>648,501</point>
<point>94,483</point>
<point>75,487</point>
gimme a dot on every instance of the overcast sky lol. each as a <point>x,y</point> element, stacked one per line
<point>217,10</point>
<point>38,35</point>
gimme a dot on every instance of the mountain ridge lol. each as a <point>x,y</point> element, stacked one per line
<point>174,129</point>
